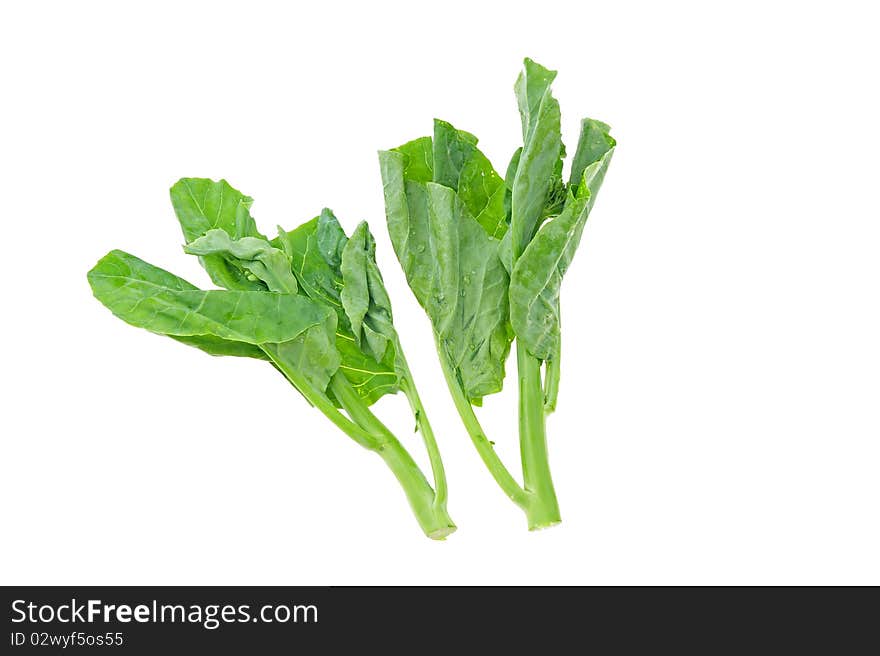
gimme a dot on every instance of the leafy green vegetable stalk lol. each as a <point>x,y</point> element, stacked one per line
<point>485,257</point>
<point>311,302</point>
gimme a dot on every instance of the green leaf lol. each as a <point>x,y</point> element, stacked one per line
<point>540,157</point>
<point>355,293</point>
<point>469,304</point>
<point>371,376</point>
<point>372,380</point>
<point>594,142</point>
<point>451,260</point>
<point>419,159</point>
<point>537,274</point>
<point>483,191</point>
<point>406,213</point>
<point>512,166</point>
<point>313,352</point>
<point>331,238</point>
<point>149,297</point>
<point>459,165</point>
<point>452,267</point>
<point>363,295</point>
<point>505,249</point>
<point>254,254</point>
<point>531,87</point>
<point>315,277</point>
<point>451,150</point>
<point>217,346</point>
<point>201,205</point>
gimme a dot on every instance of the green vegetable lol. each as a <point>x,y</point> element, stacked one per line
<point>485,257</point>
<point>311,302</point>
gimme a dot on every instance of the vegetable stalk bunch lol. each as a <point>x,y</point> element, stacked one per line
<point>311,302</point>
<point>485,257</point>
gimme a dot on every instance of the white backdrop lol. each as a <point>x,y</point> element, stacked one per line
<point>718,420</point>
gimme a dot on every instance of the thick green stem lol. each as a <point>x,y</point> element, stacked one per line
<point>365,428</point>
<point>551,383</point>
<point>431,514</point>
<point>320,400</point>
<point>543,509</point>
<point>358,410</point>
<point>551,376</point>
<point>484,447</point>
<point>424,426</point>
<point>434,520</point>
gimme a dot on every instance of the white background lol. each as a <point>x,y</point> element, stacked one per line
<point>718,420</point>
